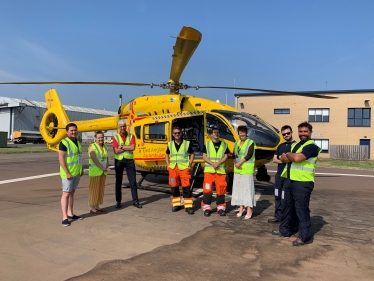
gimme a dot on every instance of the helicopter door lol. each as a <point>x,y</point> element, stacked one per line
<point>155,138</point>
<point>192,128</point>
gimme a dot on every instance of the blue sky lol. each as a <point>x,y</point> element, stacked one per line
<point>283,45</point>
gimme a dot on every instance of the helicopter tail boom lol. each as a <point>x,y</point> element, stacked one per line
<point>55,119</point>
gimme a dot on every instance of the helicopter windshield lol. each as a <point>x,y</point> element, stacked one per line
<point>258,131</point>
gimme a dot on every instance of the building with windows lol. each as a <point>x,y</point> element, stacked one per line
<point>25,116</point>
<point>345,120</point>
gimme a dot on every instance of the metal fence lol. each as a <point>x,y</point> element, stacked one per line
<point>349,152</point>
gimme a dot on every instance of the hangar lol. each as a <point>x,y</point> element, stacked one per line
<point>25,115</point>
<point>342,121</point>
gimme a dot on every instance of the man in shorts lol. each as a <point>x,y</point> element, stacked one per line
<point>71,169</point>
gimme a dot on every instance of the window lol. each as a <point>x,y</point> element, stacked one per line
<point>224,131</point>
<point>281,111</point>
<point>359,117</point>
<point>241,105</point>
<point>323,144</point>
<point>319,115</point>
<point>137,132</point>
<point>155,133</point>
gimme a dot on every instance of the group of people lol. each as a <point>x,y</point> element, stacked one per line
<point>294,180</point>
<point>294,183</point>
<point>71,169</point>
<point>179,158</point>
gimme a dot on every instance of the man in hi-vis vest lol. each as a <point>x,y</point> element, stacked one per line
<point>71,170</point>
<point>299,173</point>
<point>123,147</point>
<point>179,158</point>
<point>215,153</point>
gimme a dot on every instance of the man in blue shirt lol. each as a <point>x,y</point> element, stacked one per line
<point>285,147</point>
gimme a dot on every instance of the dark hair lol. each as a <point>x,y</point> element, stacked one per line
<point>305,124</point>
<point>70,125</point>
<point>99,133</point>
<point>211,129</point>
<point>176,128</point>
<point>243,128</point>
<point>285,127</point>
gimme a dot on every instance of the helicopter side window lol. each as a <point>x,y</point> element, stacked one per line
<point>224,131</point>
<point>155,133</point>
<point>137,132</point>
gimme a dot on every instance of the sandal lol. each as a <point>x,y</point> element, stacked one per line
<point>239,215</point>
<point>248,217</point>
<point>95,212</point>
<point>101,210</point>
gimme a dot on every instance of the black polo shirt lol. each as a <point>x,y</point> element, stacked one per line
<point>283,148</point>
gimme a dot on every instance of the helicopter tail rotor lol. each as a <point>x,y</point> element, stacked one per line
<point>52,126</point>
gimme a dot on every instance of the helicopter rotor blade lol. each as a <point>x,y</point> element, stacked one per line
<point>266,91</point>
<point>83,83</point>
<point>187,41</point>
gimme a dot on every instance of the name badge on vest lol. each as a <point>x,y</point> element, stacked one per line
<point>80,160</point>
<point>103,164</point>
<point>237,160</point>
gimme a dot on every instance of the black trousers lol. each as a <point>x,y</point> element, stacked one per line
<point>120,166</point>
<point>278,202</point>
<point>297,197</point>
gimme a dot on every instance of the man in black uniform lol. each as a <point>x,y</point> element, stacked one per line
<point>285,147</point>
<point>299,173</point>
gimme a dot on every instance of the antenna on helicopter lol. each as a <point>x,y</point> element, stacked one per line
<point>120,100</point>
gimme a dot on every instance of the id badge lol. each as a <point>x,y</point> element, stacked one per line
<point>103,164</point>
<point>80,160</point>
<point>237,160</point>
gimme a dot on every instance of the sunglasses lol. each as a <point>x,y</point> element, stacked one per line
<point>286,134</point>
<point>176,133</point>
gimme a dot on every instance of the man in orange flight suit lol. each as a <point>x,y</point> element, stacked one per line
<point>179,158</point>
<point>215,153</point>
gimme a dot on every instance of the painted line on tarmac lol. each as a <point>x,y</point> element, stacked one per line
<point>29,178</point>
<point>334,174</point>
<point>34,177</point>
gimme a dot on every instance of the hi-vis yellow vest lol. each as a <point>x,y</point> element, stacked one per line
<point>305,170</point>
<point>179,157</point>
<point>215,157</point>
<point>126,154</point>
<point>73,158</point>
<point>248,167</point>
<point>102,157</point>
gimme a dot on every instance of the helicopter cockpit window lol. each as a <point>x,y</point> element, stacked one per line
<point>259,131</point>
<point>156,133</point>
<point>224,131</point>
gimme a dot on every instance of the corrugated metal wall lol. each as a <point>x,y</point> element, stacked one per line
<point>28,118</point>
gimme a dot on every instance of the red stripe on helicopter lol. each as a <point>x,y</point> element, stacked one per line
<point>139,118</point>
<point>124,115</point>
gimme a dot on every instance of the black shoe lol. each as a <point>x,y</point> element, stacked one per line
<point>137,205</point>
<point>118,206</point>
<point>222,213</point>
<point>274,220</point>
<point>298,242</point>
<point>189,211</point>
<point>277,233</point>
<point>207,213</point>
<point>176,208</point>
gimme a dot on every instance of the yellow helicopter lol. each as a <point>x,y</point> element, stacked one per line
<point>151,118</point>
